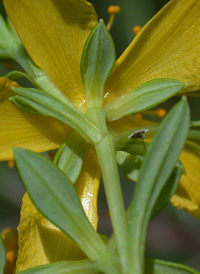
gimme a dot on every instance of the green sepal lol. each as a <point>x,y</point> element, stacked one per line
<point>48,105</point>
<point>157,167</point>
<point>69,157</point>
<point>2,256</point>
<point>143,97</point>
<point>194,146</point>
<point>97,60</point>
<point>56,198</point>
<point>154,266</point>
<point>65,267</point>
<point>15,75</point>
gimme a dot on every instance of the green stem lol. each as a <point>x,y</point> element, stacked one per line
<point>107,159</point>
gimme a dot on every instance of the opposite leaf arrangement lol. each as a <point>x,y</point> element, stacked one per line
<point>82,104</point>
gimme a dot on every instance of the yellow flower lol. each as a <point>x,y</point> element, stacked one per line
<point>54,33</point>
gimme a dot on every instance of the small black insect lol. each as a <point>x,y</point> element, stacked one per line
<point>138,134</point>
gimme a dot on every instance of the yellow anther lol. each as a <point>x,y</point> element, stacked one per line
<point>113,9</point>
<point>136,29</point>
<point>158,112</point>
<point>11,164</point>
<point>138,115</point>
<point>161,112</point>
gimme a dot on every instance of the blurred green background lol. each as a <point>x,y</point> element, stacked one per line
<point>173,235</point>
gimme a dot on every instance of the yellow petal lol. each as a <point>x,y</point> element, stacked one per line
<point>22,129</point>
<point>40,242</point>
<point>10,241</point>
<point>167,47</point>
<point>88,185</point>
<point>188,193</point>
<point>54,33</point>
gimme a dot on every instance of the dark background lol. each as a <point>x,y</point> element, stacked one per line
<point>173,235</point>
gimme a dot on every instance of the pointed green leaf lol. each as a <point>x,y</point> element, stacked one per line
<point>69,157</point>
<point>20,104</point>
<point>57,200</point>
<point>97,61</point>
<point>143,97</point>
<point>2,256</point>
<point>154,266</point>
<point>68,267</point>
<point>157,166</point>
<point>49,105</point>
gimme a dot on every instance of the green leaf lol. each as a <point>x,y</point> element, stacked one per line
<point>97,61</point>
<point>48,105</point>
<point>20,104</point>
<point>194,146</point>
<point>69,157</point>
<point>168,190</point>
<point>130,164</point>
<point>57,200</point>
<point>66,267</point>
<point>154,266</point>
<point>143,97</point>
<point>2,256</point>
<point>157,167</point>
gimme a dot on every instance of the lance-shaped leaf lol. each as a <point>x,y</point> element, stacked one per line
<point>56,198</point>
<point>158,164</point>
<point>48,105</point>
<point>66,267</point>
<point>69,157</point>
<point>154,266</point>
<point>2,256</point>
<point>143,97</point>
<point>97,61</point>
